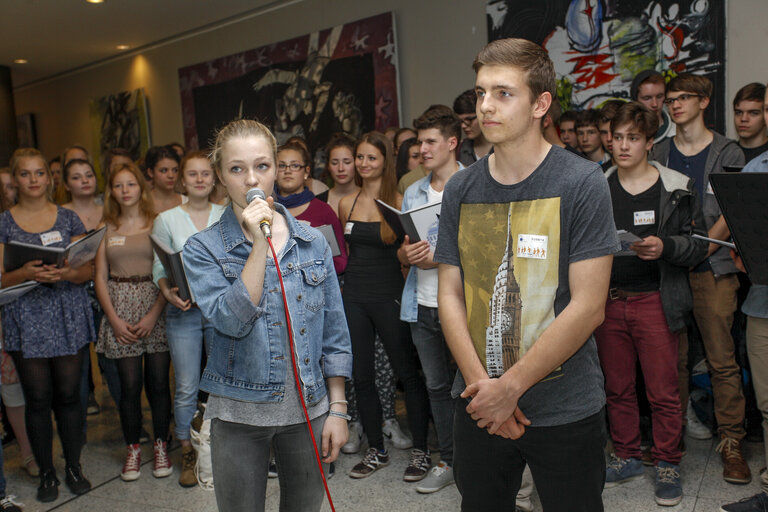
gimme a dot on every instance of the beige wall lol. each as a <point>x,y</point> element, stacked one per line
<point>435,63</point>
<point>437,41</point>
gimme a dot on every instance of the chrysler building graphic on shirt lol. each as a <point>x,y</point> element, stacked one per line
<point>510,261</point>
<point>504,332</point>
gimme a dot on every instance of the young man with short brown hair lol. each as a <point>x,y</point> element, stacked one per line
<point>697,152</point>
<point>524,250</point>
<point>748,119</point>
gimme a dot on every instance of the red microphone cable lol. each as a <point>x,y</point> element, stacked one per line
<point>296,374</point>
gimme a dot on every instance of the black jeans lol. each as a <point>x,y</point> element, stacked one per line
<point>240,459</point>
<point>364,321</point>
<point>567,463</point>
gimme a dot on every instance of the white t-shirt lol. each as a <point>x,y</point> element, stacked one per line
<point>426,290</point>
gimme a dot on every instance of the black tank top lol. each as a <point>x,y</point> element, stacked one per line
<point>373,270</point>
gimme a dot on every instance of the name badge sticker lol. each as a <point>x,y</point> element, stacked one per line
<point>532,246</point>
<point>50,237</point>
<point>116,241</point>
<point>646,218</point>
<point>348,228</point>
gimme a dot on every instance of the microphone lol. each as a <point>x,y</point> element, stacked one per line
<point>264,224</point>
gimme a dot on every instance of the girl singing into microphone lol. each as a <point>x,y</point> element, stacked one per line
<point>254,403</point>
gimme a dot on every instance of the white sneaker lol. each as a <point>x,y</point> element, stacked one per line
<point>355,438</point>
<point>438,477</point>
<point>391,431</point>
<point>696,429</point>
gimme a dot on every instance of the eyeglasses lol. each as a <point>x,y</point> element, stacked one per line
<point>682,99</point>
<point>292,166</point>
<point>468,119</point>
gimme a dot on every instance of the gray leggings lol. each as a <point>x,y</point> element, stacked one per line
<point>240,459</point>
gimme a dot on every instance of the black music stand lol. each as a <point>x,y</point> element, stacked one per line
<point>743,199</point>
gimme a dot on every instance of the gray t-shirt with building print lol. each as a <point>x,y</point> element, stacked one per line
<point>513,245</point>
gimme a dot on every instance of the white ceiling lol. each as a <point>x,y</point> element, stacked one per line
<point>57,36</point>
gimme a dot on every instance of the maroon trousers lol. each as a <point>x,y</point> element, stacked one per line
<point>635,329</point>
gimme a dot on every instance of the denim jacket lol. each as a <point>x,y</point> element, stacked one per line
<point>415,195</point>
<point>247,359</point>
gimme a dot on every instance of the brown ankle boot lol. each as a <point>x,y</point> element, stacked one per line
<point>188,462</point>
<point>735,469</point>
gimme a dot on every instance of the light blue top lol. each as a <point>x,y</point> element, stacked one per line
<point>247,357</point>
<point>173,227</point>
<point>756,303</point>
<point>416,195</point>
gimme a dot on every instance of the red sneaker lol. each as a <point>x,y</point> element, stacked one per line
<point>163,466</point>
<point>132,467</point>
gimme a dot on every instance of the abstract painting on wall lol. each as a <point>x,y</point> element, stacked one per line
<point>119,121</point>
<point>338,79</point>
<point>598,46</point>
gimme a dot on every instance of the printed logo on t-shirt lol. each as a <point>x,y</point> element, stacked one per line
<point>645,218</point>
<point>116,241</point>
<point>532,246</point>
<point>50,237</point>
<point>348,228</point>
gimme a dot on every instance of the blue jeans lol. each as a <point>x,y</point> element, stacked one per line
<point>439,373</point>
<point>186,331</point>
<point>240,460</point>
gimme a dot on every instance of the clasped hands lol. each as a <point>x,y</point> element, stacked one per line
<point>494,407</point>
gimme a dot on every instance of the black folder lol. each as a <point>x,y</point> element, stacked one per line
<point>742,198</point>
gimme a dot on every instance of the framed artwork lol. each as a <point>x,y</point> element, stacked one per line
<point>119,121</point>
<point>344,78</point>
<point>598,46</point>
<point>26,130</point>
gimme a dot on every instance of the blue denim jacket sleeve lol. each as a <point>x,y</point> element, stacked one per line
<point>226,304</point>
<point>337,346</point>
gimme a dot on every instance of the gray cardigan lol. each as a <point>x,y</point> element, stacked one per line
<point>722,152</point>
<point>679,217</point>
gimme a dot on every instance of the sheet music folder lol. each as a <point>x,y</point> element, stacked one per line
<point>742,198</point>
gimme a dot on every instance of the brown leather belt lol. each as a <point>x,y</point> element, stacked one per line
<point>616,294</point>
<point>130,279</point>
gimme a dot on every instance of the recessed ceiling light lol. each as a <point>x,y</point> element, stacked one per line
<point>20,61</point>
<point>95,1</point>
<point>123,47</point>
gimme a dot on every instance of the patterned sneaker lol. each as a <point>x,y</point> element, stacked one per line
<point>756,503</point>
<point>418,466</point>
<point>162,467</point>
<point>439,476</point>
<point>9,504</point>
<point>619,471</point>
<point>373,460</point>
<point>355,438</point>
<point>132,467</point>
<point>392,432</point>
<point>669,491</point>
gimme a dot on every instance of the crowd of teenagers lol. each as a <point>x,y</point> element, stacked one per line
<point>533,336</point>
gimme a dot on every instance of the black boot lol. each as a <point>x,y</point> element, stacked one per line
<point>49,486</point>
<point>75,480</point>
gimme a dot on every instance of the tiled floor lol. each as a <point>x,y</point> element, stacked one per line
<point>102,459</point>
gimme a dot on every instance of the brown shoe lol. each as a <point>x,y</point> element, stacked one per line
<point>188,463</point>
<point>735,469</point>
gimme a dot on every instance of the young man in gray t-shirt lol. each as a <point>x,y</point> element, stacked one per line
<point>525,251</point>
